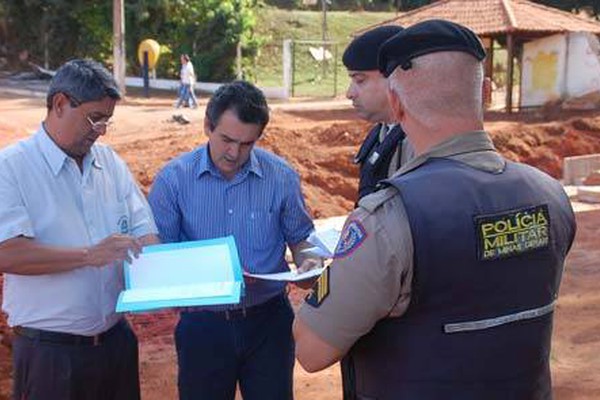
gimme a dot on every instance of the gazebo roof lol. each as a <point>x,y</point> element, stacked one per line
<point>496,17</point>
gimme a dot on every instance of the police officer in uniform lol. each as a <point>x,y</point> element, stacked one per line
<point>384,149</point>
<point>444,282</point>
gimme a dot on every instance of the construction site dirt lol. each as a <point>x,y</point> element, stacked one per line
<point>319,140</point>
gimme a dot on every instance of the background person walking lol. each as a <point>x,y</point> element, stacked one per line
<point>186,90</point>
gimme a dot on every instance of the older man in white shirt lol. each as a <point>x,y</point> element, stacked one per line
<point>70,214</point>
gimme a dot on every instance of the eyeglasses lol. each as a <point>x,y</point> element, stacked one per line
<point>98,126</point>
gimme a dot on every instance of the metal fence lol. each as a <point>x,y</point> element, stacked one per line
<point>313,68</point>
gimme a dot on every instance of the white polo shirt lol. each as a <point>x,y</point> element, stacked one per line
<point>44,195</point>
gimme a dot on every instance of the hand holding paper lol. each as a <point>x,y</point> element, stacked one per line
<point>114,249</point>
<point>309,264</point>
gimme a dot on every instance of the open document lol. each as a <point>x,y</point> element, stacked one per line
<point>204,272</point>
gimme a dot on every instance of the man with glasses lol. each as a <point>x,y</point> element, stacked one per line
<point>70,214</point>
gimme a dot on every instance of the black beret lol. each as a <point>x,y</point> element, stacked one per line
<point>361,53</point>
<point>424,38</point>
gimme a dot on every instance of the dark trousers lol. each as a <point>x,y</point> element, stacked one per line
<point>255,348</point>
<point>48,369</point>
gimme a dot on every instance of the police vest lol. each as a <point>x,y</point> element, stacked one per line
<point>375,158</point>
<point>488,256</point>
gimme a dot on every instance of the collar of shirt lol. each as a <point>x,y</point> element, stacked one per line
<point>56,157</point>
<point>204,164</point>
<point>384,130</point>
<point>472,148</point>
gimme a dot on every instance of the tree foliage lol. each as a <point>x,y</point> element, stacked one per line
<point>367,5</point>
<point>61,29</point>
<point>207,30</point>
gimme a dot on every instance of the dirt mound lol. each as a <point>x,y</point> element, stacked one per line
<point>323,158</point>
<point>546,145</point>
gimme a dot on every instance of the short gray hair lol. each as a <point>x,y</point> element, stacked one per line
<point>82,81</point>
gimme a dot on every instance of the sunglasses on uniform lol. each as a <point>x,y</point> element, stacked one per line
<point>97,124</point>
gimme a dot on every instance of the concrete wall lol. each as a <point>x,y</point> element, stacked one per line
<point>172,84</point>
<point>576,169</point>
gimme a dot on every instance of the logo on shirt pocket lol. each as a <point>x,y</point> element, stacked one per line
<point>118,218</point>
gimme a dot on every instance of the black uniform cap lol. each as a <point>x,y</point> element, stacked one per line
<point>424,38</point>
<point>361,53</point>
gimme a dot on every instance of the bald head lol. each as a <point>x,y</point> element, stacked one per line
<point>435,78</point>
<point>441,85</point>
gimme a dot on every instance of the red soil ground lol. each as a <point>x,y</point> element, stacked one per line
<point>320,143</point>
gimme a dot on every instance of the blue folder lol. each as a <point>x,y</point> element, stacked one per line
<point>199,273</point>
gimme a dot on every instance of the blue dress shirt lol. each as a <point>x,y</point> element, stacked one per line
<point>262,207</point>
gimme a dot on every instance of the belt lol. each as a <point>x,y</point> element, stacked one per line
<point>239,313</point>
<point>67,338</point>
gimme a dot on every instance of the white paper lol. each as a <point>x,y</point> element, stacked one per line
<point>317,251</point>
<point>290,276</point>
<point>180,267</point>
<point>178,292</point>
<point>325,241</point>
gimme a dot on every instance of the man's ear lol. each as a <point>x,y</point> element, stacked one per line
<point>207,129</point>
<point>59,102</point>
<point>395,105</point>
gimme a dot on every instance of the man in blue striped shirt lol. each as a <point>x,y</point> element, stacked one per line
<point>228,187</point>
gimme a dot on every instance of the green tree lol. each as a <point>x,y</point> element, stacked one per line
<point>56,30</point>
<point>208,30</point>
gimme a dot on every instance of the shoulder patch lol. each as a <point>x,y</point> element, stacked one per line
<point>353,235</point>
<point>512,233</point>
<point>320,289</point>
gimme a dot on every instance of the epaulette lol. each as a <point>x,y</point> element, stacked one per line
<point>373,201</point>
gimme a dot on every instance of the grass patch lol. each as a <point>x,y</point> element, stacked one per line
<point>310,78</point>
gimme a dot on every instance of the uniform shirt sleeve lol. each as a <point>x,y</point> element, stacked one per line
<point>366,283</point>
<point>163,201</point>
<point>296,222</point>
<point>13,214</point>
